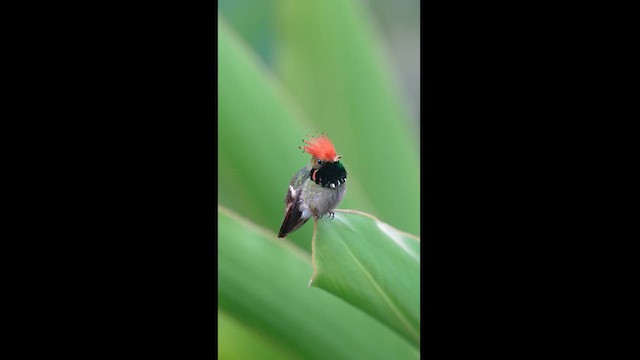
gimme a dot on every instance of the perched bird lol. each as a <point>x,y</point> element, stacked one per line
<point>317,188</point>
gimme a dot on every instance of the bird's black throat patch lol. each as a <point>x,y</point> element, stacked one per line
<point>330,175</point>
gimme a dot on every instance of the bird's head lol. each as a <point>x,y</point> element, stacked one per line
<point>326,168</point>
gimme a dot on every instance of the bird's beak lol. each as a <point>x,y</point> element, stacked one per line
<point>337,158</point>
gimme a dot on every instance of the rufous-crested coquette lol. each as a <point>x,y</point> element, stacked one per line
<point>317,188</point>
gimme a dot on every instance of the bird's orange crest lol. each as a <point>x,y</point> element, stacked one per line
<point>322,148</point>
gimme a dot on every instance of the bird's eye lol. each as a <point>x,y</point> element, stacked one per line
<point>319,162</point>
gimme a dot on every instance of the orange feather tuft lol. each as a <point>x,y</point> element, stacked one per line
<point>322,148</point>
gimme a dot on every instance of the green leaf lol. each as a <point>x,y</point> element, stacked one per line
<point>253,20</point>
<point>236,341</point>
<point>330,59</point>
<point>263,286</point>
<point>257,134</point>
<point>371,265</point>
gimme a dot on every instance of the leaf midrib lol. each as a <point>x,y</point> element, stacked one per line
<point>382,293</point>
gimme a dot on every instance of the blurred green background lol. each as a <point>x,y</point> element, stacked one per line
<point>349,69</point>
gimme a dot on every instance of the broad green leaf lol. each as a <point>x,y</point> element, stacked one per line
<point>259,131</point>
<point>263,285</point>
<point>253,20</point>
<point>257,134</point>
<point>236,341</point>
<point>329,57</point>
<point>371,265</point>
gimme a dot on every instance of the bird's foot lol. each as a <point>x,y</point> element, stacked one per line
<point>332,214</point>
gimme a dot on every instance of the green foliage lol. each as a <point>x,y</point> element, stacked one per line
<point>306,67</point>
<point>237,341</point>
<point>263,286</point>
<point>372,266</point>
<point>259,131</point>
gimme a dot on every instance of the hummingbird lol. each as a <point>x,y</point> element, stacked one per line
<point>317,188</point>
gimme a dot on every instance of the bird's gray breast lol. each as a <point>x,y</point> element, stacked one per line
<point>324,199</point>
